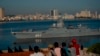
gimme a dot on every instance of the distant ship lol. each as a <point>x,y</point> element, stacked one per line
<point>58,32</point>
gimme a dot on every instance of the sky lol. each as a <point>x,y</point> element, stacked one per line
<point>13,7</point>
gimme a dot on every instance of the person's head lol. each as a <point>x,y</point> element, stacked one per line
<point>36,49</point>
<point>74,41</point>
<point>51,47</point>
<point>63,44</point>
<point>56,44</point>
<point>70,44</point>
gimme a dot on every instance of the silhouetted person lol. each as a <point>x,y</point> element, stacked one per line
<point>20,49</point>
<point>1,51</point>
<point>15,49</point>
<point>30,48</point>
<point>37,52</point>
<point>82,51</point>
<point>81,47</point>
<point>9,50</point>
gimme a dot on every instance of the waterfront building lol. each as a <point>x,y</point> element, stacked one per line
<point>1,13</point>
<point>77,15</point>
<point>54,14</point>
<point>68,16</point>
<point>84,14</point>
<point>99,16</point>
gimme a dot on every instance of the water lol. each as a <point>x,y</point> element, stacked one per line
<point>6,39</point>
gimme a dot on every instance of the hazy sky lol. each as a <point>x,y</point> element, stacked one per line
<point>44,6</point>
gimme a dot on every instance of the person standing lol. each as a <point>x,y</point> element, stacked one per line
<point>57,49</point>
<point>77,47</point>
<point>72,49</point>
<point>64,50</point>
<point>82,51</point>
<point>37,52</point>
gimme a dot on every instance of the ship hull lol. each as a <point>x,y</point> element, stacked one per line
<point>47,41</point>
<point>55,34</point>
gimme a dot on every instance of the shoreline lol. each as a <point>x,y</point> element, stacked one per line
<point>42,20</point>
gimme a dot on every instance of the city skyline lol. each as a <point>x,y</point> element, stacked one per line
<point>13,7</point>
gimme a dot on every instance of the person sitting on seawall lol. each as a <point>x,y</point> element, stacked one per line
<point>77,47</point>
<point>64,50</point>
<point>37,52</point>
<point>72,49</point>
<point>57,49</point>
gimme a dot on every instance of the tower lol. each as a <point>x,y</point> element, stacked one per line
<point>96,15</point>
<point>1,12</point>
<point>54,14</point>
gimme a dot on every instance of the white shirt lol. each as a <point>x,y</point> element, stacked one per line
<point>37,54</point>
<point>72,51</point>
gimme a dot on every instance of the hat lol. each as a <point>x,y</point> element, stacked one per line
<point>50,46</point>
<point>74,40</point>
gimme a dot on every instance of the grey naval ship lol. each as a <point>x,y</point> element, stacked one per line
<point>58,33</point>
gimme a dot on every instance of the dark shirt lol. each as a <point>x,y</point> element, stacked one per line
<point>64,52</point>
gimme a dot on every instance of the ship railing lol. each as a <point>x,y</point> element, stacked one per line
<point>95,30</point>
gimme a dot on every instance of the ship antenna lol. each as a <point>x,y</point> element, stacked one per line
<point>60,23</point>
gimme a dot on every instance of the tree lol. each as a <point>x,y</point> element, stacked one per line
<point>95,48</point>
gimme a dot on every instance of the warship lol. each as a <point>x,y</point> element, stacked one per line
<point>57,32</point>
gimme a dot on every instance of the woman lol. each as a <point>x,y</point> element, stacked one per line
<point>57,49</point>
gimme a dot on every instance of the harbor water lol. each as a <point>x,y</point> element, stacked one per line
<point>7,39</point>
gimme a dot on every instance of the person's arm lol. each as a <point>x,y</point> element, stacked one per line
<point>31,55</point>
<point>62,51</point>
<point>42,54</point>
